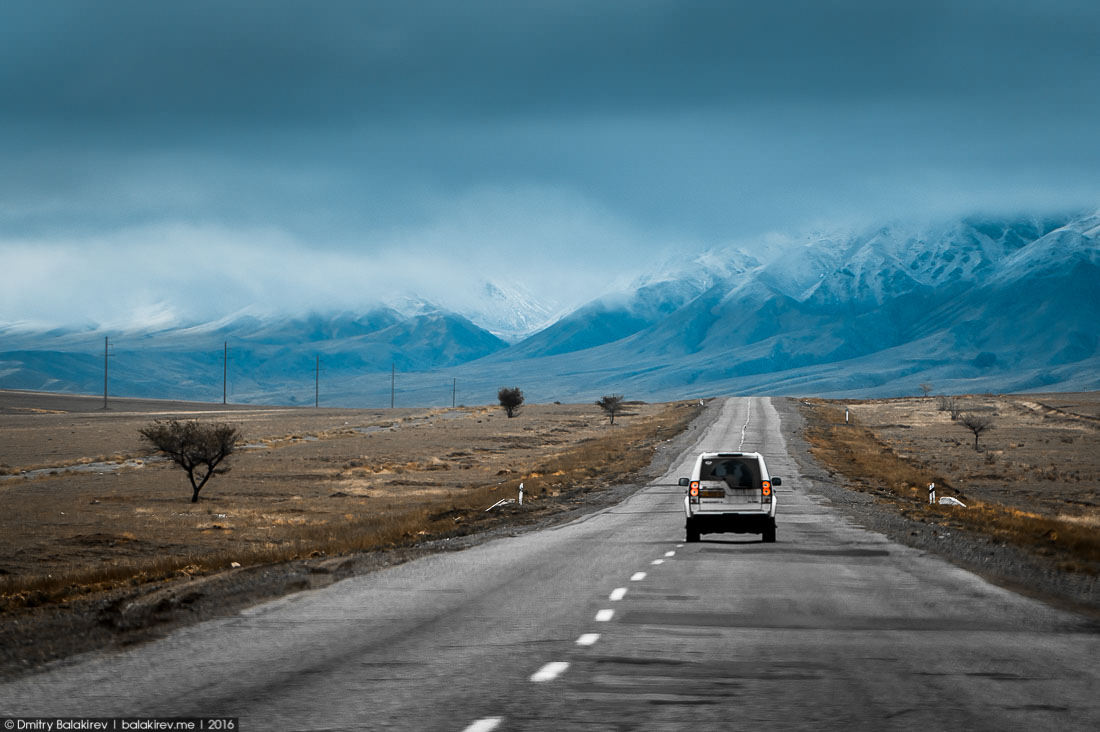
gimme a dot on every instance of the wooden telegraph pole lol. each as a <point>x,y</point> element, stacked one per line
<point>106,355</point>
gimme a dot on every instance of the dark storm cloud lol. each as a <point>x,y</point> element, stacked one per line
<point>367,62</point>
<point>498,128</point>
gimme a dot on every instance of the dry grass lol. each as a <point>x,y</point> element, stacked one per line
<point>321,483</point>
<point>1059,523</point>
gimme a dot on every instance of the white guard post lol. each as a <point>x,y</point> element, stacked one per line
<point>931,492</point>
<point>521,494</point>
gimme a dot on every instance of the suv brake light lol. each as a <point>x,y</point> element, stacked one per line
<point>766,488</point>
<point>694,489</point>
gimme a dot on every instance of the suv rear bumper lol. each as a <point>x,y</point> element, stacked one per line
<point>730,523</point>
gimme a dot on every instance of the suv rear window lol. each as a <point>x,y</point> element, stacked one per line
<point>735,472</point>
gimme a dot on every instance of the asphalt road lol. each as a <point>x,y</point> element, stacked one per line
<point>613,623</point>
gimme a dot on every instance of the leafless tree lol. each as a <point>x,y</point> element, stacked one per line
<point>611,404</point>
<point>510,399</point>
<point>197,448</point>
<point>950,404</point>
<point>977,424</point>
<point>926,388</point>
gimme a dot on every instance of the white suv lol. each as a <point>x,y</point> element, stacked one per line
<point>730,492</point>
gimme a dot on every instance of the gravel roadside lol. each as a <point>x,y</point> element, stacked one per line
<point>999,563</point>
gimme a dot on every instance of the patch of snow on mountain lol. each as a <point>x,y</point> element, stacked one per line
<point>510,311</point>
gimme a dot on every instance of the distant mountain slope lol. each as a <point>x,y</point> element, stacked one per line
<point>268,358</point>
<point>978,302</point>
<point>653,298</point>
<point>976,305</point>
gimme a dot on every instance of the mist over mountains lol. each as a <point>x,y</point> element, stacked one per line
<point>977,305</point>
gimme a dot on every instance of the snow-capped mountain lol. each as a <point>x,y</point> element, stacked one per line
<point>974,305</point>
<point>650,299</point>
<point>989,304</point>
<point>510,311</point>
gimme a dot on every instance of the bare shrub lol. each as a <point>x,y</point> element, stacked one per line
<point>611,404</point>
<point>977,424</point>
<point>197,448</point>
<point>510,399</point>
<point>926,389</point>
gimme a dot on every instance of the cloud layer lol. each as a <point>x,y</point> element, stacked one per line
<point>298,143</point>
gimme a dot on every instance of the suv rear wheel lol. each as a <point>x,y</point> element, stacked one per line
<point>692,533</point>
<point>769,535</point>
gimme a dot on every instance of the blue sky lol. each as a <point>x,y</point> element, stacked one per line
<point>185,160</point>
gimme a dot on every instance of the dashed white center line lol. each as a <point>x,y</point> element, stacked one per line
<point>748,416</point>
<point>637,577</point>
<point>488,724</point>
<point>604,615</point>
<point>588,639</point>
<point>617,594</point>
<point>550,671</point>
<point>670,554</point>
<point>679,546</point>
<point>658,561</point>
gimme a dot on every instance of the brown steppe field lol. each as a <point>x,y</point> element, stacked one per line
<point>87,507</point>
<point>1033,481</point>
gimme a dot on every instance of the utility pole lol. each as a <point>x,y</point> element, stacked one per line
<point>454,390</point>
<point>393,382</point>
<point>106,345</point>
<point>317,384</point>
<point>225,373</point>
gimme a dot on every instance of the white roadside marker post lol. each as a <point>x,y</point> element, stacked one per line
<point>931,492</point>
<point>521,494</point>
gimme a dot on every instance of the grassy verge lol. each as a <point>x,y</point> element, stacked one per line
<point>869,465</point>
<point>552,483</point>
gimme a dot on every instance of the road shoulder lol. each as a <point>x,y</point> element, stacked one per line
<point>998,563</point>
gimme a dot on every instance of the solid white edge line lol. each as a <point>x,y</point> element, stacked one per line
<point>617,594</point>
<point>588,639</point>
<point>637,577</point>
<point>550,671</point>
<point>604,615</point>
<point>488,724</point>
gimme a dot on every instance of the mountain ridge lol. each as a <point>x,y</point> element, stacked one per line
<point>992,303</point>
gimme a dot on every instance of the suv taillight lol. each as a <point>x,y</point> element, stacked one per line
<point>694,489</point>
<point>766,489</point>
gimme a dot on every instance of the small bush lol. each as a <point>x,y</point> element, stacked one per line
<point>510,399</point>
<point>611,404</point>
